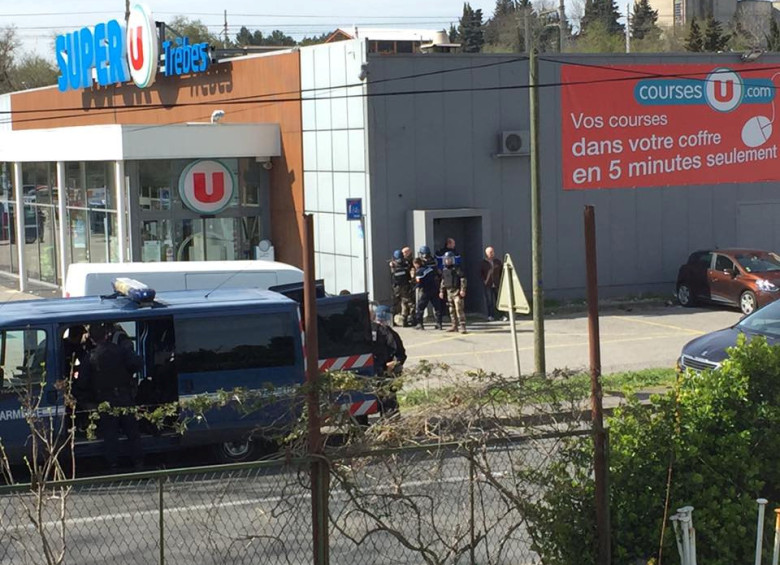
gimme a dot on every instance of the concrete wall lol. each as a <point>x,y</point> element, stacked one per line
<point>435,151</point>
<point>334,158</point>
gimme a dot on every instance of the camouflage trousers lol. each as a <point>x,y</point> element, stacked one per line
<point>403,303</point>
<point>456,306</point>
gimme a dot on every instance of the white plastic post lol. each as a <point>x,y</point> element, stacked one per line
<point>760,529</point>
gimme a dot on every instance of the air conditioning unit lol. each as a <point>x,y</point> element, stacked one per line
<point>514,143</point>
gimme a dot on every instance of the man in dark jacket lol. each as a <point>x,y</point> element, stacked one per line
<point>490,272</point>
<point>389,357</point>
<point>110,373</point>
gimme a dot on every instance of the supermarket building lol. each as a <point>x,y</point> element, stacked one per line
<point>222,163</point>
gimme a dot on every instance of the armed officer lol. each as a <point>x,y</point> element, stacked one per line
<point>110,372</point>
<point>400,271</point>
<point>453,290</point>
<point>389,358</point>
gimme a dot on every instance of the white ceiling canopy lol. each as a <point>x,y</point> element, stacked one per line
<point>132,142</point>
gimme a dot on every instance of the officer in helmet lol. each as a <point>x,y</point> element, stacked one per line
<point>389,357</point>
<point>400,273</point>
<point>453,290</point>
<point>435,308</point>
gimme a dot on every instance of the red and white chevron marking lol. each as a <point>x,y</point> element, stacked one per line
<point>362,408</point>
<point>346,363</point>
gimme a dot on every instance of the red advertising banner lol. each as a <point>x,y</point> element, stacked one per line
<point>659,125</point>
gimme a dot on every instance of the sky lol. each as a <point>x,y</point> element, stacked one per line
<point>37,21</point>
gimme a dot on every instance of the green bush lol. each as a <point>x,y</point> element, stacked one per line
<point>717,432</point>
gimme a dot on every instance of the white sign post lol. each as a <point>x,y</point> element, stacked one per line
<point>511,298</point>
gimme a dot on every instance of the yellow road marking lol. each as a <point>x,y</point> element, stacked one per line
<point>558,346</point>
<point>660,324</point>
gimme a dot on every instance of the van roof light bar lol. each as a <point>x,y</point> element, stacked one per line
<point>134,290</point>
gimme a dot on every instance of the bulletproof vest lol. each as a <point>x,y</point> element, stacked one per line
<point>400,271</point>
<point>451,277</point>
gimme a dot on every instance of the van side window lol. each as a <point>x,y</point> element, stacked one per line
<point>235,342</point>
<point>22,358</point>
<point>343,327</point>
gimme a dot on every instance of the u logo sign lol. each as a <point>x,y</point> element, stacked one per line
<point>723,90</point>
<point>136,48</point>
<point>206,186</point>
<point>208,193</point>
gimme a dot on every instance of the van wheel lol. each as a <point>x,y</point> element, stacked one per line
<point>243,449</point>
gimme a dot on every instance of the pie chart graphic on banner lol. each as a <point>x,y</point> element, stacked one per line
<point>756,131</point>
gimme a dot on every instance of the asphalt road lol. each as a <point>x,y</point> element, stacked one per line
<point>639,338</point>
<point>264,516</point>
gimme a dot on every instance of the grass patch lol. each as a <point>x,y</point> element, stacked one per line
<point>540,389</point>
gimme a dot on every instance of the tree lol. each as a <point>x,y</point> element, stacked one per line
<point>32,72</point>
<point>645,21</point>
<point>315,39</point>
<point>694,41</point>
<point>195,30</point>
<point>8,45</point>
<point>278,38</point>
<point>599,40</point>
<point>453,34</point>
<point>714,38</point>
<point>604,11</point>
<point>773,39</point>
<point>470,30</point>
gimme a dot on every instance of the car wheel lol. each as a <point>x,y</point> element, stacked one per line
<point>684,295</point>
<point>747,302</point>
<point>236,451</point>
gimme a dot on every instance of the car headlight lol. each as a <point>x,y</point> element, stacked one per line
<point>765,285</point>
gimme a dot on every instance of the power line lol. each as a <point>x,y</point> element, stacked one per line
<point>275,97</point>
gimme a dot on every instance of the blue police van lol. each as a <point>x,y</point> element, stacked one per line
<point>193,344</point>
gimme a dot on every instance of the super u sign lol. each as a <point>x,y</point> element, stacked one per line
<point>110,54</point>
<point>206,187</point>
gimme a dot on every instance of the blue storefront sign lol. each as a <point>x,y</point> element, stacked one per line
<point>109,53</point>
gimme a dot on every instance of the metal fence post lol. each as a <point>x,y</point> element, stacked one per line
<point>319,469</point>
<point>472,478</point>
<point>160,483</point>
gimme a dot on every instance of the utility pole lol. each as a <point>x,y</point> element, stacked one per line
<point>562,28</point>
<point>628,27</point>
<point>527,29</point>
<point>536,216</point>
<point>226,30</point>
<point>127,10</point>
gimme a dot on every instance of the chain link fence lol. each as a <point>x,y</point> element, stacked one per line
<point>447,504</point>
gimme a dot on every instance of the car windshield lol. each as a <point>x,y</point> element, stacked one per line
<point>765,321</point>
<point>759,262</point>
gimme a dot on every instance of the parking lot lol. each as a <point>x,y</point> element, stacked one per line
<point>633,337</point>
<point>639,338</point>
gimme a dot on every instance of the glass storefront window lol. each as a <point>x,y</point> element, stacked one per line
<point>40,242</point>
<point>172,232</point>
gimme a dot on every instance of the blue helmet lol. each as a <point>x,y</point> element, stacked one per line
<point>397,255</point>
<point>383,314</point>
<point>424,250</point>
<point>449,258</point>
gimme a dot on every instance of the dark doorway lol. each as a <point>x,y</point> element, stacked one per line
<point>467,233</point>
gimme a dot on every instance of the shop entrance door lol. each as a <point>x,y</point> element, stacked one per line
<point>172,232</point>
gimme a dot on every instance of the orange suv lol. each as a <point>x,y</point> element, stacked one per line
<point>746,278</point>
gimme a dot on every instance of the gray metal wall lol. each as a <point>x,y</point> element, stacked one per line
<point>434,150</point>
